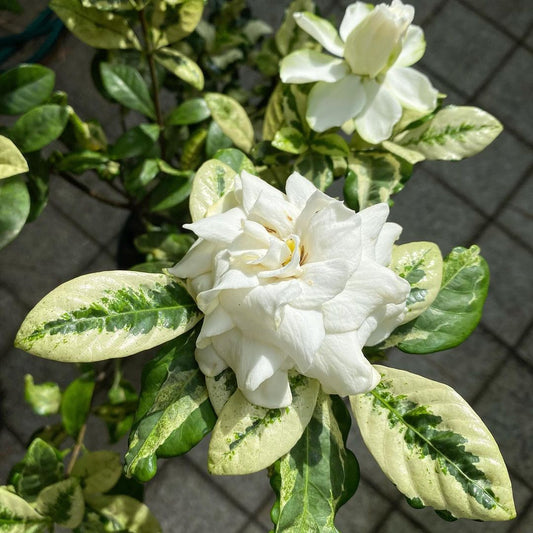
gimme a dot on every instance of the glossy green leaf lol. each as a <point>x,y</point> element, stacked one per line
<point>164,245</point>
<point>153,267</point>
<point>137,141</point>
<point>76,403</point>
<point>290,37</point>
<point>44,398</point>
<point>171,23</point>
<point>453,133</point>
<point>181,66</point>
<point>125,85</point>
<point>373,178</point>
<point>211,183</point>
<point>171,191</point>
<point>140,176</point>
<point>39,127</point>
<point>420,263</point>
<point>330,144</point>
<point>434,447</point>
<point>232,119</point>
<point>174,412</point>
<point>40,467</point>
<point>115,5</point>
<point>106,315</point>
<point>99,471</point>
<point>318,475</point>
<point>190,112</point>
<point>294,105</point>
<point>38,183</point>
<point>14,208</point>
<point>274,114</point>
<point>62,502</point>
<point>289,139</point>
<point>456,310</point>
<point>11,5</point>
<point>94,27</point>
<point>216,140</point>
<point>248,438</point>
<point>235,159</point>
<point>12,162</point>
<point>125,513</point>
<point>317,168</point>
<point>221,388</point>
<point>18,516</point>
<point>25,87</point>
<point>80,162</point>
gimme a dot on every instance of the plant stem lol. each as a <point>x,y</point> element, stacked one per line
<point>93,194</point>
<point>153,76</point>
<point>76,450</point>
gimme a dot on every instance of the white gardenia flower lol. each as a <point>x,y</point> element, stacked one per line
<point>370,80</point>
<point>292,281</point>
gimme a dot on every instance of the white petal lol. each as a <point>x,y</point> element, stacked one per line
<point>198,260</point>
<point>330,232</point>
<point>374,44</point>
<point>210,363</point>
<point>332,104</point>
<point>215,323</point>
<point>248,188</point>
<point>341,367</point>
<point>221,228</point>
<point>300,335</point>
<point>304,66</point>
<point>411,88</point>
<point>299,189</point>
<point>371,288</point>
<point>413,48</point>
<point>388,321</point>
<point>388,236</point>
<point>353,16</point>
<point>373,219</point>
<point>374,124</point>
<point>258,362</point>
<point>322,281</point>
<point>321,30</point>
<point>273,393</point>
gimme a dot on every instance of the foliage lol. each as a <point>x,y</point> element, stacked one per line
<point>175,161</point>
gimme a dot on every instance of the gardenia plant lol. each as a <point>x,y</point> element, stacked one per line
<point>274,304</point>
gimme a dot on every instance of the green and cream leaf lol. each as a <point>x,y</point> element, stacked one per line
<point>318,475</point>
<point>221,388</point>
<point>12,162</point>
<point>18,516</point>
<point>181,66</point>
<point>248,438</point>
<point>434,447</point>
<point>107,315</point>
<point>174,412</point>
<point>99,471</point>
<point>453,133</point>
<point>62,502</point>
<point>420,263</point>
<point>44,398</point>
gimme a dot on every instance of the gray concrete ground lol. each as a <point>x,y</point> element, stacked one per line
<point>479,53</point>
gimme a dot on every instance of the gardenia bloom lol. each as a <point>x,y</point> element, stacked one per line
<point>370,79</point>
<point>295,281</point>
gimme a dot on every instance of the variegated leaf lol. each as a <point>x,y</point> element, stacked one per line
<point>99,471</point>
<point>232,119</point>
<point>318,475</point>
<point>18,516</point>
<point>420,263</point>
<point>210,185</point>
<point>181,66</point>
<point>221,388</point>
<point>455,132</point>
<point>63,502</point>
<point>291,140</point>
<point>174,412</point>
<point>273,114</point>
<point>107,315</point>
<point>12,162</point>
<point>434,447</point>
<point>248,438</point>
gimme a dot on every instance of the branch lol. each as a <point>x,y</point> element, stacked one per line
<point>76,450</point>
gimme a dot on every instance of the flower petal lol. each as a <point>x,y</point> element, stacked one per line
<point>373,219</point>
<point>388,236</point>
<point>197,261</point>
<point>321,30</point>
<point>375,43</point>
<point>304,66</point>
<point>411,88</point>
<point>221,228</point>
<point>374,124</point>
<point>259,361</point>
<point>214,324</point>
<point>413,48</point>
<point>341,367</point>
<point>210,363</point>
<point>332,104</point>
<point>353,16</point>
<point>273,393</point>
<point>299,189</point>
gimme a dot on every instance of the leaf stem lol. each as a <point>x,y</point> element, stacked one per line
<point>93,194</point>
<point>76,450</point>
<point>153,77</point>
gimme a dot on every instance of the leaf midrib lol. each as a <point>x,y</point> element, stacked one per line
<point>429,443</point>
